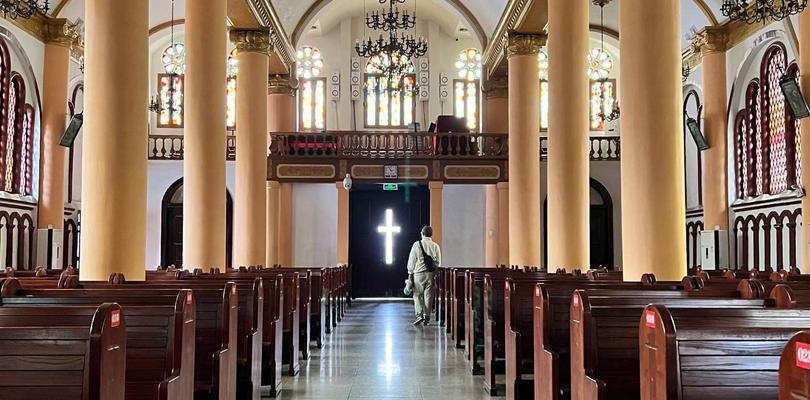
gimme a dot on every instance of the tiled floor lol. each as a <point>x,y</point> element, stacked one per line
<point>376,353</point>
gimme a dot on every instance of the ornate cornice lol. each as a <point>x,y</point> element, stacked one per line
<point>252,40</point>
<point>495,53</point>
<point>266,15</point>
<point>524,44</point>
<point>282,84</point>
<point>61,32</point>
<point>496,87</point>
<point>712,39</point>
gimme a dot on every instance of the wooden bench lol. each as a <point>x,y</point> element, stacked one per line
<point>69,359</point>
<point>216,326</point>
<point>604,335</point>
<point>794,368</point>
<point>714,353</point>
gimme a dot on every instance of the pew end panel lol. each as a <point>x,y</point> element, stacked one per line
<point>657,350</point>
<point>224,361</point>
<point>583,385</point>
<point>546,363</point>
<point>179,383</point>
<point>794,368</point>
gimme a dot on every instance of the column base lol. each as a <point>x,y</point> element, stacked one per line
<point>49,248</point>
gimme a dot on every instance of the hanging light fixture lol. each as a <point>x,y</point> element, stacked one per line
<point>761,11</point>
<point>174,64</point>
<point>393,54</point>
<point>14,9</point>
<point>601,65</point>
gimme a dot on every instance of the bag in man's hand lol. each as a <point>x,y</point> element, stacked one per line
<point>429,262</point>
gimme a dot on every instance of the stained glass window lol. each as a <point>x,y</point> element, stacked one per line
<point>767,137</point>
<point>602,100</point>
<point>174,59</point>
<point>390,103</point>
<point>312,89</point>
<point>468,65</point>
<point>17,130</point>
<point>170,91</point>
<point>465,89</point>
<point>600,65</point>
<point>230,91</point>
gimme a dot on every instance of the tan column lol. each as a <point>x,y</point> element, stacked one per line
<point>804,80</point>
<point>653,217</point>
<point>116,58</point>
<point>342,224</point>
<point>285,227</point>
<point>503,223</point>
<point>250,233</point>
<point>60,36</point>
<point>272,223</point>
<point>204,166</point>
<point>436,188</point>
<point>496,120</point>
<point>524,149</point>
<point>569,201</point>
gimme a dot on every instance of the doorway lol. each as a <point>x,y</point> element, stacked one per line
<point>383,225</point>
<point>171,227</point>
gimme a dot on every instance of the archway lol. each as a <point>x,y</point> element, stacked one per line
<point>171,226</point>
<point>601,216</point>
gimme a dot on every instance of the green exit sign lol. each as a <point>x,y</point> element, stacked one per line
<point>390,186</point>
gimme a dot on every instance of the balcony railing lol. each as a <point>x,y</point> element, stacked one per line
<point>384,145</point>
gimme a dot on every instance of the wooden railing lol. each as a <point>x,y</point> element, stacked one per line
<point>384,145</point>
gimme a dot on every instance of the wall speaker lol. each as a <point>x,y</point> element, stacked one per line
<point>357,94</point>
<point>334,79</point>
<point>356,64</point>
<point>697,135</point>
<point>444,92</point>
<point>424,78</point>
<point>424,64</point>
<point>355,78</point>
<point>424,93</point>
<point>444,79</point>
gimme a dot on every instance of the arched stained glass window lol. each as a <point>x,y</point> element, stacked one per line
<point>390,103</point>
<point>17,130</point>
<point>230,91</point>
<point>312,89</point>
<point>171,87</point>
<point>767,140</point>
<point>466,88</point>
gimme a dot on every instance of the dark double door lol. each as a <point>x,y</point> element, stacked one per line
<point>372,276</point>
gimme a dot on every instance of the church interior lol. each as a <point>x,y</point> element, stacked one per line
<point>253,199</point>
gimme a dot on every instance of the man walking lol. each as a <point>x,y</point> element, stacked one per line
<point>425,258</point>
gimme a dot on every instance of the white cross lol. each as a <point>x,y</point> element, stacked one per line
<point>389,230</point>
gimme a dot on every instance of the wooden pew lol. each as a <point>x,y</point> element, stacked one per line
<point>216,326</point>
<point>604,335</point>
<point>794,368</point>
<point>73,360</point>
<point>714,353</point>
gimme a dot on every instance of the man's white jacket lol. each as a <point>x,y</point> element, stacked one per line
<point>416,263</point>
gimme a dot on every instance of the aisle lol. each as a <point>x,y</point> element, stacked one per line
<point>376,353</point>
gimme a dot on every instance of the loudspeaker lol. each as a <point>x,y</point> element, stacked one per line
<point>356,64</point>
<point>355,78</point>
<point>793,95</point>
<point>697,135</point>
<point>424,93</point>
<point>444,79</point>
<point>72,130</point>
<point>444,92</point>
<point>334,86</point>
<point>424,78</point>
<point>424,64</point>
<point>357,94</point>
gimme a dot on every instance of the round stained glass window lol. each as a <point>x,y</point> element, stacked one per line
<point>174,59</point>
<point>542,65</point>
<point>600,65</point>
<point>308,62</point>
<point>468,64</point>
<point>233,65</point>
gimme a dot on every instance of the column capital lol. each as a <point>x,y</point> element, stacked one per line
<point>435,185</point>
<point>61,32</point>
<point>273,184</point>
<point>282,84</point>
<point>496,87</point>
<point>712,39</point>
<point>252,40</point>
<point>524,44</point>
<point>502,185</point>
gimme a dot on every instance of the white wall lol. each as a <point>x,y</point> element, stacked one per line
<point>314,224</point>
<point>463,225</point>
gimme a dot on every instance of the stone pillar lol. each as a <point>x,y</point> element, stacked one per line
<point>272,223</point>
<point>804,80</point>
<point>436,188</point>
<point>281,105</point>
<point>524,149</point>
<point>115,137</point>
<point>715,126</point>
<point>285,224</point>
<point>204,154</point>
<point>569,202</point>
<point>250,240</point>
<point>503,223</point>
<point>654,211</point>
<point>496,120</point>
<point>60,35</point>
<point>342,224</point>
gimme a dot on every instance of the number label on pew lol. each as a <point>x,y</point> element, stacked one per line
<point>115,318</point>
<point>649,319</point>
<point>188,298</point>
<point>803,355</point>
<point>576,301</point>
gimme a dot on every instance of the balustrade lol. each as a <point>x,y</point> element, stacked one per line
<point>602,148</point>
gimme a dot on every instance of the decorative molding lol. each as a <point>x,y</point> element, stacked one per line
<point>252,40</point>
<point>494,53</point>
<point>305,171</point>
<point>524,44</point>
<point>404,172</point>
<point>496,87</point>
<point>472,172</point>
<point>61,32</point>
<point>282,84</point>
<point>266,14</point>
<point>712,39</point>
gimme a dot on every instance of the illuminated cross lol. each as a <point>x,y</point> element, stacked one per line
<point>389,230</point>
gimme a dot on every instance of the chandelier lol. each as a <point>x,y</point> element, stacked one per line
<point>399,49</point>
<point>757,11</point>
<point>601,65</point>
<point>22,8</point>
<point>174,63</point>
